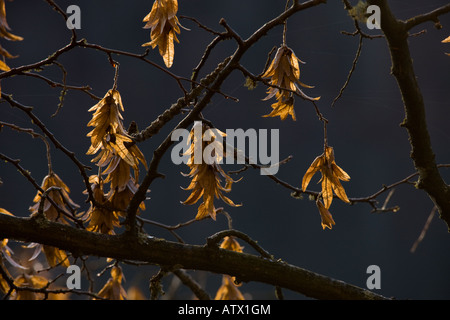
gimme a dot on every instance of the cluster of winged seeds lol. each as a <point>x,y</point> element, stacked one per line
<point>5,34</point>
<point>164,25</point>
<point>206,178</point>
<point>229,289</point>
<point>284,74</point>
<point>331,174</point>
<point>117,157</point>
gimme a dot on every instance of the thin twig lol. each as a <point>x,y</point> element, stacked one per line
<point>430,16</point>
<point>64,16</point>
<point>34,135</point>
<point>42,192</point>
<point>54,84</point>
<point>266,66</point>
<point>213,241</point>
<point>285,23</point>
<point>168,228</point>
<point>201,25</point>
<point>81,167</point>
<point>355,61</point>
<point>191,284</point>
<point>64,88</point>
<point>44,290</point>
<point>424,230</point>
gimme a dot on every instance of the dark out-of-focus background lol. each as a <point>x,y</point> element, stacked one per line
<point>363,129</point>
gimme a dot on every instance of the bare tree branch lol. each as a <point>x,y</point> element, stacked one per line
<point>244,266</point>
<point>430,180</point>
<point>430,16</point>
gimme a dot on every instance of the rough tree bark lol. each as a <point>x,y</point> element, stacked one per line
<point>397,34</point>
<point>143,248</point>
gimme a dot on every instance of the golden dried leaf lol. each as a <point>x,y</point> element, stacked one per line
<point>164,25</point>
<point>6,54</point>
<point>4,211</point>
<point>446,40</point>
<point>284,73</point>
<point>205,182</point>
<point>55,256</point>
<point>9,36</point>
<point>118,174</point>
<point>113,289</point>
<point>134,293</point>
<point>121,199</point>
<point>106,120</point>
<point>206,178</point>
<point>283,108</point>
<point>230,243</point>
<point>111,140</point>
<point>117,142</point>
<point>4,286</point>
<point>5,34</point>
<point>4,66</point>
<point>7,253</point>
<point>228,290</point>
<point>59,296</point>
<point>325,215</point>
<point>60,197</point>
<point>331,174</point>
<point>100,219</point>
<point>4,27</point>
<point>29,281</point>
